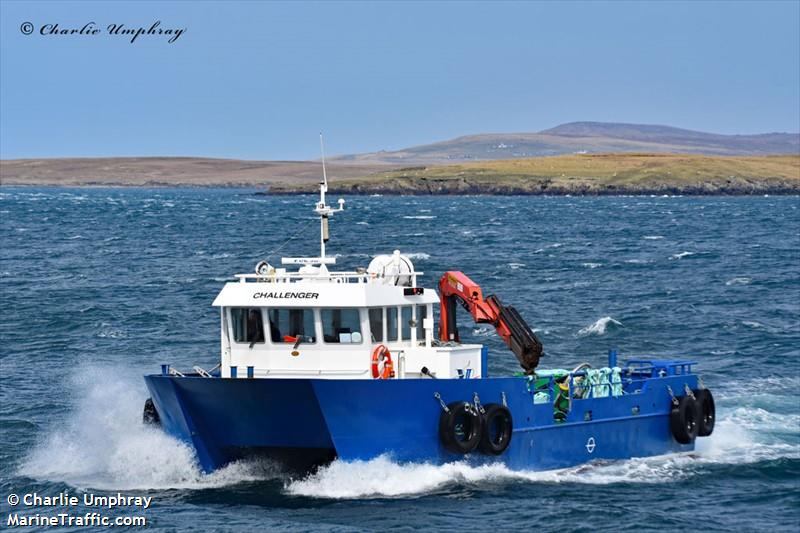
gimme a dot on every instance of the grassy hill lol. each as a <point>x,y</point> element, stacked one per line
<point>586,174</point>
<point>588,137</point>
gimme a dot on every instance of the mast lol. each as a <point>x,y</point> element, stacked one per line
<point>323,210</point>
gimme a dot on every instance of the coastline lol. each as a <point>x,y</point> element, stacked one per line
<point>611,174</point>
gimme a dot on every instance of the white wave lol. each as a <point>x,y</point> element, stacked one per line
<point>112,333</point>
<point>515,266</point>
<point>739,281</point>
<point>599,327</point>
<point>362,223</point>
<point>737,439</point>
<point>103,444</point>
<point>681,255</point>
<point>591,265</point>
<point>420,217</point>
<point>653,237</point>
<point>638,261</point>
<point>483,331</point>
<point>420,255</point>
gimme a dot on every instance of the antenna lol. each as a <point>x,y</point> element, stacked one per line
<point>324,211</point>
<point>324,173</point>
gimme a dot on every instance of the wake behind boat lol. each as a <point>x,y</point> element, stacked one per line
<point>317,364</point>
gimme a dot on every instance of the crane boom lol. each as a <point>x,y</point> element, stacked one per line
<point>457,287</point>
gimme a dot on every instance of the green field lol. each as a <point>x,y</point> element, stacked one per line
<point>588,174</point>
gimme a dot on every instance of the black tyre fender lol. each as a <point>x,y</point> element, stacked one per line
<point>498,427</point>
<point>150,414</point>
<point>683,420</point>
<point>460,427</point>
<point>706,411</point>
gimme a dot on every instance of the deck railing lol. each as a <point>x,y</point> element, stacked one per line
<point>330,277</point>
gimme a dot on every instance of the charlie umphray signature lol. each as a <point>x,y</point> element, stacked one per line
<point>93,29</point>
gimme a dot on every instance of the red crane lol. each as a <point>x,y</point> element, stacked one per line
<point>457,287</point>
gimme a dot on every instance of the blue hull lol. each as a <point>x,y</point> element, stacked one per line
<point>307,421</point>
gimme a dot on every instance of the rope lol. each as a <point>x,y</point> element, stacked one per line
<point>287,241</point>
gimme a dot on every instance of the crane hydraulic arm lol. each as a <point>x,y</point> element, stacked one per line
<point>515,332</point>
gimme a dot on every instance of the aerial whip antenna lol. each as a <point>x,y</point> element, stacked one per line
<point>323,210</point>
<point>324,173</point>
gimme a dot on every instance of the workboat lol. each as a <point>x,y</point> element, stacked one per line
<point>317,364</point>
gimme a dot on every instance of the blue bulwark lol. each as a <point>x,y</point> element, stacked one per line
<point>485,362</point>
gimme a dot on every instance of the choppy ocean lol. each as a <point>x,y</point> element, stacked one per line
<point>100,286</point>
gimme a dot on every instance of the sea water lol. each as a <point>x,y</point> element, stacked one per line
<point>100,286</point>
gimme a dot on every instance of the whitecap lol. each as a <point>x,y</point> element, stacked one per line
<point>599,327</point>
<point>653,237</point>
<point>591,265</point>
<point>420,217</point>
<point>739,281</point>
<point>515,266</point>
<point>420,255</point>
<point>483,331</point>
<point>112,334</point>
<point>681,255</point>
<point>103,444</point>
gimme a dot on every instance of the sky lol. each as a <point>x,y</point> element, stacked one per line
<point>260,80</point>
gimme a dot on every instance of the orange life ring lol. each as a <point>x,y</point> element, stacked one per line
<point>382,353</point>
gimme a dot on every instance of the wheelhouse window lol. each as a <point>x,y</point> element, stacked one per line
<point>422,313</point>
<point>292,325</point>
<point>391,323</point>
<point>407,322</point>
<point>341,326</point>
<point>248,325</point>
<point>376,324</point>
